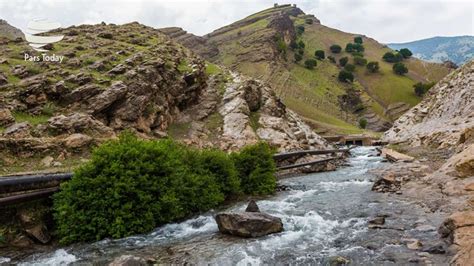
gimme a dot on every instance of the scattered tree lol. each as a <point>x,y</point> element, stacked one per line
<point>319,54</point>
<point>357,54</point>
<point>349,67</point>
<point>373,66</point>
<point>358,40</point>
<point>405,52</point>
<point>357,47</point>
<point>298,57</point>
<point>310,63</point>
<point>362,123</point>
<point>301,44</point>
<point>335,48</point>
<point>299,29</point>
<point>400,68</point>
<point>422,88</point>
<point>349,48</point>
<point>360,61</point>
<point>343,61</point>
<point>392,57</point>
<point>345,76</point>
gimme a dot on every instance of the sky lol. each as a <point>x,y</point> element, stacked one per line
<point>384,20</point>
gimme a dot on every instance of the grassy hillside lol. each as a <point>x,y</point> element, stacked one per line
<point>254,46</point>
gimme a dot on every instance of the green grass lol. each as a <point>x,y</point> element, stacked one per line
<point>31,119</point>
<point>254,121</point>
<point>184,67</point>
<point>179,130</point>
<point>212,69</point>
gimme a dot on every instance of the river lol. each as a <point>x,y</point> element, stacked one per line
<point>325,215</point>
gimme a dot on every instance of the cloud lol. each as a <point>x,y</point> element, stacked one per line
<point>384,20</point>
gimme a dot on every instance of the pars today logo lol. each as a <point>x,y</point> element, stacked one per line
<point>38,42</point>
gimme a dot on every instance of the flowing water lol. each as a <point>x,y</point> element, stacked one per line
<point>324,215</point>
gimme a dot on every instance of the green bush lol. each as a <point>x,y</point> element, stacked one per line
<point>362,123</point>
<point>360,61</point>
<point>349,67</point>
<point>345,76</point>
<point>358,40</point>
<point>256,169</point>
<point>301,44</point>
<point>349,48</point>
<point>319,54</point>
<point>405,52</point>
<point>392,57</point>
<point>298,57</point>
<point>373,66</point>
<point>310,63</point>
<point>422,88</point>
<point>335,48</point>
<point>343,61</point>
<point>400,68</point>
<point>299,29</point>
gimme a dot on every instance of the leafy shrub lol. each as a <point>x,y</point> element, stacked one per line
<point>405,52</point>
<point>422,88</point>
<point>349,67</point>
<point>400,68</point>
<point>301,44</point>
<point>299,29</point>
<point>360,61</point>
<point>256,169</point>
<point>345,76</point>
<point>343,61</point>
<point>301,51</point>
<point>360,54</point>
<point>298,57</point>
<point>358,40</point>
<point>357,47</point>
<point>392,57</point>
<point>373,66</point>
<point>362,123</point>
<point>335,48</point>
<point>349,48</point>
<point>319,54</point>
<point>310,63</point>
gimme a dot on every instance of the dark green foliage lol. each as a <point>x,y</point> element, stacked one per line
<point>301,51</point>
<point>301,44</point>
<point>335,48</point>
<point>343,61</point>
<point>309,21</point>
<point>310,63</point>
<point>299,29</point>
<point>319,54</point>
<point>360,61</point>
<point>357,47</point>
<point>298,57</point>
<point>422,88</point>
<point>345,76</point>
<point>362,123</point>
<point>400,68</point>
<point>332,59</point>
<point>360,54</point>
<point>256,169</point>
<point>373,66</point>
<point>293,45</point>
<point>349,48</point>
<point>281,45</point>
<point>392,57</point>
<point>349,67</point>
<point>405,52</point>
<point>358,40</point>
<point>130,186</point>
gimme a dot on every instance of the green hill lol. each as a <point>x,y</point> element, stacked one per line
<point>260,46</point>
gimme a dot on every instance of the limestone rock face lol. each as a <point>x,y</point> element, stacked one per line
<point>445,117</point>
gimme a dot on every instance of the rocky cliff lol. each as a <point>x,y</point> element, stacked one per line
<point>129,77</point>
<point>439,133</point>
<point>7,31</point>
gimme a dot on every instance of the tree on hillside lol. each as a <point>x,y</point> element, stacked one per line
<point>357,47</point>
<point>349,48</point>
<point>310,63</point>
<point>362,123</point>
<point>343,61</point>
<point>360,61</point>
<point>299,29</point>
<point>358,40</point>
<point>335,48</point>
<point>301,44</point>
<point>349,67</point>
<point>298,57</point>
<point>301,51</point>
<point>373,66</point>
<point>405,52</point>
<point>345,76</point>
<point>319,54</point>
<point>422,88</point>
<point>392,57</point>
<point>400,68</point>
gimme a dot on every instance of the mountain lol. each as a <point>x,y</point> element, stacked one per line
<point>260,46</point>
<point>458,49</point>
<point>129,77</point>
<point>9,32</point>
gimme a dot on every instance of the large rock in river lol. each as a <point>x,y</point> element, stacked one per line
<point>249,223</point>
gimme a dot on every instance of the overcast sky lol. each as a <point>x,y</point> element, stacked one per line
<point>385,20</point>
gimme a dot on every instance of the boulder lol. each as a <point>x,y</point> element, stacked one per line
<point>387,183</point>
<point>118,69</point>
<point>47,161</point>
<point>109,96</point>
<point>128,260</point>
<point>6,117</point>
<point>78,123</point>
<point>379,220</point>
<point>395,156</point>
<point>77,140</point>
<point>252,207</point>
<point>18,130</point>
<point>248,224</point>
